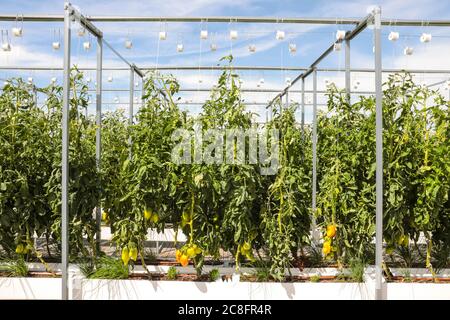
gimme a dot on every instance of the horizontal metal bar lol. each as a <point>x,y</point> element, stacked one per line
<point>245,90</point>
<point>437,83</point>
<point>192,103</point>
<point>227,19</point>
<point>238,68</point>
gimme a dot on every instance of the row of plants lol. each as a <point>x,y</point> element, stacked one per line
<point>218,206</point>
<point>30,168</point>
<point>416,174</point>
<point>227,207</point>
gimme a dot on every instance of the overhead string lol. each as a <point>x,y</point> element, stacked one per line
<point>157,50</point>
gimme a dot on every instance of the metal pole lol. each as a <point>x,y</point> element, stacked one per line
<point>35,95</point>
<point>240,68</point>
<point>314,161</point>
<point>303,107</point>
<point>98,136</point>
<point>287,100</point>
<point>65,157</point>
<point>223,19</point>
<point>130,106</point>
<point>142,91</point>
<point>379,156</point>
<point>347,70</point>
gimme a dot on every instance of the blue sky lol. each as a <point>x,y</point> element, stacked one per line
<point>34,48</point>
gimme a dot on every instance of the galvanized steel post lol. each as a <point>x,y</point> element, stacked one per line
<point>315,235</point>
<point>303,107</point>
<point>98,136</point>
<point>379,156</point>
<point>65,156</point>
<point>347,70</point>
<point>130,106</point>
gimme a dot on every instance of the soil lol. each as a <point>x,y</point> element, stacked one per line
<point>246,278</point>
<point>400,279</point>
<point>33,274</point>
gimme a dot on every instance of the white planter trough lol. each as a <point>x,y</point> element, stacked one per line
<point>180,290</point>
<point>233,289</point>
<point>30,288</point>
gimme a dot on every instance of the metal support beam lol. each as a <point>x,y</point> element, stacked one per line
<point>228,19</point>
<point>142,90</point>
<point>303,107</point>
<point>379,156</point>
<point>315,235</point>
<point>347,70</point>
<point>236,68</point>
<point>65,158</point>
<point>287,100</point>
<point>86,23</point>
<point>98,137</point>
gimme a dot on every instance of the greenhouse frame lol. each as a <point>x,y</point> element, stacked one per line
<point>373,21</point>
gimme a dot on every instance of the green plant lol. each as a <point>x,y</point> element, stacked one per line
<point>110,268</point>
<point>262,271</point>
<point>286,217</point>
<point>87,267</point>
<point>172,273</point>
<point>416,179</point>
<point>357,269</point>
<point>406,273</point>
<point>14,267</point>
<point>314,278</point>
<point>214,275</point>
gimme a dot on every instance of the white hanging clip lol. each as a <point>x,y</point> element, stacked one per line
<point>340,35</point>
<point>292,48</point>
<point>425,37</point>
<point>128,44</point>
<point>162,35</point>
<point>6,46</point>
<point>16,30</point>
<point>56,44</point>
<point>86,45</point>
<point>408,51</point>
<point>280,35</point>
<point>81,32</point>
<point>393,36</point>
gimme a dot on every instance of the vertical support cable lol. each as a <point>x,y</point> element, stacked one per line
<point>314,161</point>
<point>347,71</point>
<point>130,106</point>
<point>379,155</point>
<point>65,157</point>
<point>98,137</point>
